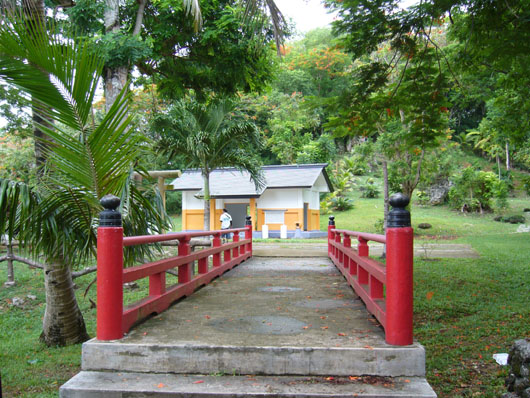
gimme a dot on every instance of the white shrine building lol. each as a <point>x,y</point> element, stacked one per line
<point>291,197</point>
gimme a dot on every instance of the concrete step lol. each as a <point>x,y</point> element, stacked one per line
<point>382,360</point>
<point>136,385</point>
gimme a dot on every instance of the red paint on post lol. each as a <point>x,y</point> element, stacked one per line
<point>157,284</point>
<point>399,286</point>
<point>248,235</point>
<point>235,250</point>
<point>338,251</point>
<point>217,256</point>
<point>184,271</point>
<point>331,238</point>
<point>347,244</point>
<point>363,248</point>
<point>110,283</point>
<point>203,265</point>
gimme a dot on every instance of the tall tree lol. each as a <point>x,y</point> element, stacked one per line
<point>124,36</point>
<point>85,161</point>
<point>208,137</point>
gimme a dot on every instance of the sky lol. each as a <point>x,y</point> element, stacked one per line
<point>307,14</point>
<point>311,14</point>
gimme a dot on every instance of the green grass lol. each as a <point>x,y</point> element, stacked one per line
<point>465,309</point>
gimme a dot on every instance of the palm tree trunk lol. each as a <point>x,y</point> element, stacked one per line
<point>206,178</point>
<point>63,322</point>
<point>35,13</point>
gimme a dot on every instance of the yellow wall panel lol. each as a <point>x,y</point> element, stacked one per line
<point>192,219</point>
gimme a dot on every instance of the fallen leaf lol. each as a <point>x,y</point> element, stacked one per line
<point>145,333</point>
<point>369,347</point>
<point>323,317</point>
<point>330,378</point>
<point>207,316</point>
<point>324,327</point>
<point>161,385</point>
<point>198,382</point>
<point>407,381</point>
<point>429,295</point>
<point>341,334</point>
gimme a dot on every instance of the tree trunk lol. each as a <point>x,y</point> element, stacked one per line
<point>34,13</point>
<point>498,160</point>
<point>386,205</point>
<point>63,322</point>
<point>10,272</point>
<point>115,78</point>
<point>206,178</point>
<point>507,156</point>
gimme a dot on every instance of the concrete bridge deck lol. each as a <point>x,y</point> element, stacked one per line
<point>282,327</point>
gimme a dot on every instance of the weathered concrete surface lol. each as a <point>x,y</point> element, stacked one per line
<point>422,250</point>
<point>121,385</point>
<point>271,316</point>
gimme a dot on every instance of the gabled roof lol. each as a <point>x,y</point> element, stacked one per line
<point>232,183</point>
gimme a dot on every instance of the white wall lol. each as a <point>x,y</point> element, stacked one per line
<point>313,198</point>
<point>280,199</point>
<point>190,202</point>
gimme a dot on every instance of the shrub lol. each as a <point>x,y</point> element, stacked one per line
<point>369,189</point>
<point>476,190</point>
<point>173,202</point>
<point>526,184</point>
<point>356,165</point>
<point>341,203</point>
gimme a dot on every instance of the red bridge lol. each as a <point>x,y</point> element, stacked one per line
<point>385,289</point>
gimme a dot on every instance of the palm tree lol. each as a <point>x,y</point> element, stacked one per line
<point>85,161</point>
<point>208,137</point>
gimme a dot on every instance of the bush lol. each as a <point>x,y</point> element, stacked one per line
<point>173,202</point>
<point>356,165</point>
<point>515,219</point>
<point>340,203</point>
<point>526,184</point>
<point>478,191</point>
<point>369,189</point>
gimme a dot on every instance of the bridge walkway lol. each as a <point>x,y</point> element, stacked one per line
<point>278,327</point>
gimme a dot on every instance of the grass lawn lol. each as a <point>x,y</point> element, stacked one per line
<point>465,309</point>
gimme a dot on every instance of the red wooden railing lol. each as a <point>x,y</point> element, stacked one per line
<point>387,290</point>
<point>113,320</point>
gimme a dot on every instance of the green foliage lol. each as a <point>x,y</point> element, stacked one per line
<point>369,189</point>
<point>173,202</point>
<point>526,184</point>
<point>86,160</point>
<point>356,165</point>
<point>478,191</point>
<point>321,150</point>
<point>121,49</point>
<point>224,56</point>
<point>17,154</point>
<point>341,203</point>
<point>289,127</point>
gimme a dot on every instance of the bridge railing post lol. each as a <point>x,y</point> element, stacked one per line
<point>110,271</point>
<point>399,270</point>
<point>216,242</point>
<point>184,271</point>
<point>248,234</point>
<point>235,250</point>
<point>331,235</point>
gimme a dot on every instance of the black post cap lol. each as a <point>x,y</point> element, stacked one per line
<point>331,220</point>
<point>399,216</point>
<point>110,217</point>
<point>248,221</point>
